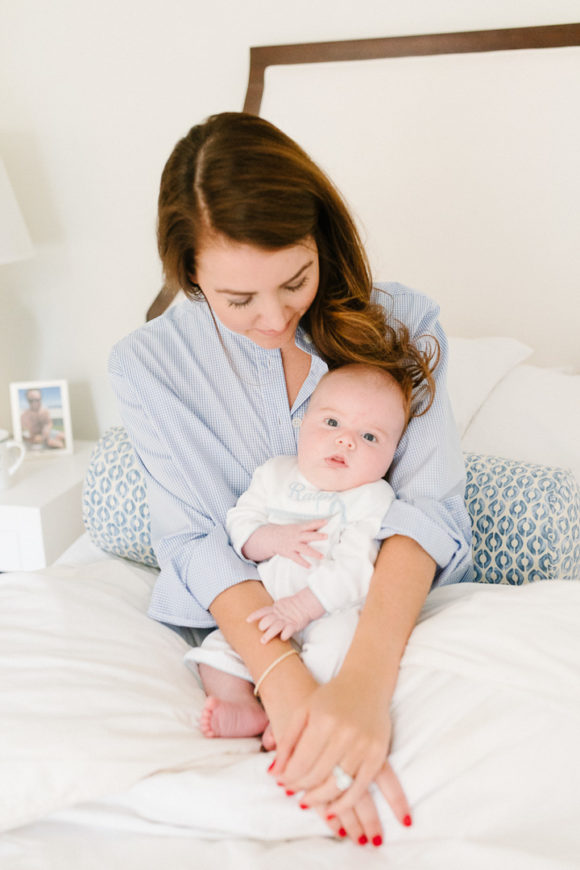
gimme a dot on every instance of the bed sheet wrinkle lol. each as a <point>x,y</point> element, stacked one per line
<point>450,731</point>
<point>488,673</point>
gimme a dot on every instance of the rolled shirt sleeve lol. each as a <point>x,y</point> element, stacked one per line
<point>186,505</point>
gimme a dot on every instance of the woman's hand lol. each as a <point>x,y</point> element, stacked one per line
<point>329,729</point>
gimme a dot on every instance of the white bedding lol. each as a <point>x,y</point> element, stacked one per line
<point>103,764</point>
<point>486,712</point>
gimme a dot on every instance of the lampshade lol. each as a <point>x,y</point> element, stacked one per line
<point>15,242</point>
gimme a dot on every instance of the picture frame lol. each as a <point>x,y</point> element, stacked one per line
<point>41,418</point>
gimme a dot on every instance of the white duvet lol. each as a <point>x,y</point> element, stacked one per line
<point>103,763</point>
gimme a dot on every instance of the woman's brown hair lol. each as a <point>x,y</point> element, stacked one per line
<point>239,176</point>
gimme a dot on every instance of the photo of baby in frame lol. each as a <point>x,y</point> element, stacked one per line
<point>41,417</point>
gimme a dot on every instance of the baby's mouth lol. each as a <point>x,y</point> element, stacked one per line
<point>336,461</point>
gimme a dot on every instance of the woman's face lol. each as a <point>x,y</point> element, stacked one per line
<point>256,292</point>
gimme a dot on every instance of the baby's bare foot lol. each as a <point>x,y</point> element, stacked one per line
<point>227,719</point>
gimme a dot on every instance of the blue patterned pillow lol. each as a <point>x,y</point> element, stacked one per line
<point>115,509</point>
<point>525,518</point>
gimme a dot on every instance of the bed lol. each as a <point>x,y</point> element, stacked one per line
<point>102,761</point>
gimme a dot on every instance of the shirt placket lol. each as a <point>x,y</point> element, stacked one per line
<point>275,402</point>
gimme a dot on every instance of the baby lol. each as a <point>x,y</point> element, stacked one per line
<point>318,580</point>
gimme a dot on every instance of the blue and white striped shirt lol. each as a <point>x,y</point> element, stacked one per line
<point>204,408</point>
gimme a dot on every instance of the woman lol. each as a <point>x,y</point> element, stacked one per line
<point>279,290</point>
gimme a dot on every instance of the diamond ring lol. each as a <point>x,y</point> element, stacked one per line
<point>343,779</point>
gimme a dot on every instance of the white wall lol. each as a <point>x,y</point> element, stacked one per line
<point>93,96</point>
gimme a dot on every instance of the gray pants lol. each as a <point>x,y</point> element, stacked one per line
<point>192,636</point>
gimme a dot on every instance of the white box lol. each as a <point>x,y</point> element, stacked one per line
<point>41,513</point>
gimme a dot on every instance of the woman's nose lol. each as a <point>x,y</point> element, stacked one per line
<point>273,316</point>
<point>345,440</point>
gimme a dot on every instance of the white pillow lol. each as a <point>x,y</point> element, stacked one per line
<point>95,695</point>
<point>476,365</point>
<point>533,415</point>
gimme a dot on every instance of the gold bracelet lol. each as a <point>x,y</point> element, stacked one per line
<point>271,667</point>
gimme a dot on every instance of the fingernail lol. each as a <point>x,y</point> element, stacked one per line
<point>304,806</point>
<point>272,765</point>
<point>289,793</point>
<point>341,832</point>
<point>378,840</point>
<point>330,817</point>
<point>362,840</point>
<point>281,784</point>
<point>407,821</point>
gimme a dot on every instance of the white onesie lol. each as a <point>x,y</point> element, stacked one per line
<point>278,493</point>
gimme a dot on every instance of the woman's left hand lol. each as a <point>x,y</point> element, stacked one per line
<point>341,723</point>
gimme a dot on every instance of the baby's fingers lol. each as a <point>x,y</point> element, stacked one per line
<point>310,552</point>
<point>300,560</point>
<point>273,631</point>
<point>315,525</point>
<point>258,614</point>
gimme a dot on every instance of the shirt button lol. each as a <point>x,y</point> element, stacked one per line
<point>296,422</point>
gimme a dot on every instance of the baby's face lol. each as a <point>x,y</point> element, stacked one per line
<point>351,430</point>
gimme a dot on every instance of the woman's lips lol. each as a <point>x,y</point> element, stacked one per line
<point>274,333</point>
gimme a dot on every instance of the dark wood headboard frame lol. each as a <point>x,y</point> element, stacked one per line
<point>261,57</point>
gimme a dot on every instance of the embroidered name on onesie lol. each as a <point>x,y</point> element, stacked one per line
<point>332,501</point>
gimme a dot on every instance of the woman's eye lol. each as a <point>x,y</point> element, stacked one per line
<point>330,421</point>
<point>368,436</point>
<point>234,304</point>
<point>294,287</point>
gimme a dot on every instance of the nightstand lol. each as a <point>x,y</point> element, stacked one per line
<point>41,513</point>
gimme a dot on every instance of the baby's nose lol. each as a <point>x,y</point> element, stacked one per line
<point>345,440</point>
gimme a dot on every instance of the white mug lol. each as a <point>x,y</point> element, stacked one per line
<point>7,468</point>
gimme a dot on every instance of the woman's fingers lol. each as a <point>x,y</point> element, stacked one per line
<point>386,780</point>
<point>288,741</point>
<point>361,823</point>
<point>392,790</point>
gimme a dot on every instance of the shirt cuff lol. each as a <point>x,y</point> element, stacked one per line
<point>213,566</point>
<point>406,519</point>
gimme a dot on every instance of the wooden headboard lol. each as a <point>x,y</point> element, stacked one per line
<point>261,57</point>
<point>458,154</point>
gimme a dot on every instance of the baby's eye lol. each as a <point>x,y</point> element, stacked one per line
<point>368,436</point>
<point>330,421</point>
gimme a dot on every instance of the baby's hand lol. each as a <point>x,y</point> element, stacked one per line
<point>292,540</point>
<point>287,615</point>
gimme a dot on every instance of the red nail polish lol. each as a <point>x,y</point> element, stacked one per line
<point>304,806</point>
<point>407,821</point>
<point>378,840</point>
<point>341,832</point>
<point>281,784</point>
<point>362,840</point>
<point>272,765</point>
<point>330,817</point>
<point>289,793</point>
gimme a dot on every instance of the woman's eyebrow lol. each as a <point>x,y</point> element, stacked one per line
<point>298,273</point>
<point>251,292</point>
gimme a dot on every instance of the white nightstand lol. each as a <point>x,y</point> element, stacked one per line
<point>41,513</point>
